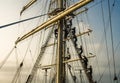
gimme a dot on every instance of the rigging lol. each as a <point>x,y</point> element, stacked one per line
<point>106,44</point>
<point>3,62</point>
<point>54,19</point>
<point>112,41</point>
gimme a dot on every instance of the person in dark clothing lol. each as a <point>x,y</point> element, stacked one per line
<point>68,25</point>
<point>95,81</point>
<point>75,41</point>
<point>69,20</point>
<point>72,15</point>
<point>66,33</point>
<point>80,51</point>
<point>90,71</point>
<point>74,36</point>
<point>73,31</point>
<point>68,54</point>
<point>74,78</point>
<point>21,64</point>
<point>85,60</point>
<point>69,66</point>
<point>56,33</point>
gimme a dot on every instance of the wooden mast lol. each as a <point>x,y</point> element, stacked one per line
<point>59,78</point>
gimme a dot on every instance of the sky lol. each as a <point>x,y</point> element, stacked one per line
<point>10,12</point>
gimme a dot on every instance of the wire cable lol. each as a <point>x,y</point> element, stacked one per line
<point>110,12</point>
<point>13,23</point>
<point>110,21</point>
<point>106,45</point>
<point>6,58</point>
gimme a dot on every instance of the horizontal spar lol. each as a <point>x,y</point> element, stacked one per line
<point>54,19</point>
<point>67,61</point>
<point>70,38</point>
<point>27,6</point>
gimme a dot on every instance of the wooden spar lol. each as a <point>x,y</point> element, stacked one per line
<point>54,19</point>
<point>67,61</point>
<point>27,6</point>
<point>77,13</point>
<point>70,38</point>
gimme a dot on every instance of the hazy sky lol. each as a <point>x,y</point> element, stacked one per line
<point>10,12</point>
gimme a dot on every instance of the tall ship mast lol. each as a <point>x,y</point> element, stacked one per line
<point>60,77</point>
<point>63,52</point>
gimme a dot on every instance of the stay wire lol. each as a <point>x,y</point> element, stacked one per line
<point>13,23</point>
<point>90,38</point>
<point>6,58</point>
<point>27,49</point>
<point>92,41</point>
<point>17,74</point>
<point>44,10</point>
<point>31,56</point>
<point>110,21</point>
<point>107,24</point>
<point>108,18</point>
<point>38,43</point>
<point>97,3</point>
<point>16,56</point>
<point>40,39</point>
<point>53,53</point>
<point>106,44</point>
<point>117,47</point>
<point>85,40</point>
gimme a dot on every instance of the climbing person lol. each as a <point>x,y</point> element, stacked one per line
<point>69,66</point>
<point>90,71</point>
<point>85,61</point>
<point>56,33</point>
<point>73,31</point>
<point>74,36</point>
<point>74,78</point>
<point>66,33</point>
<point>80,51</point>
<point>68,54</point>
